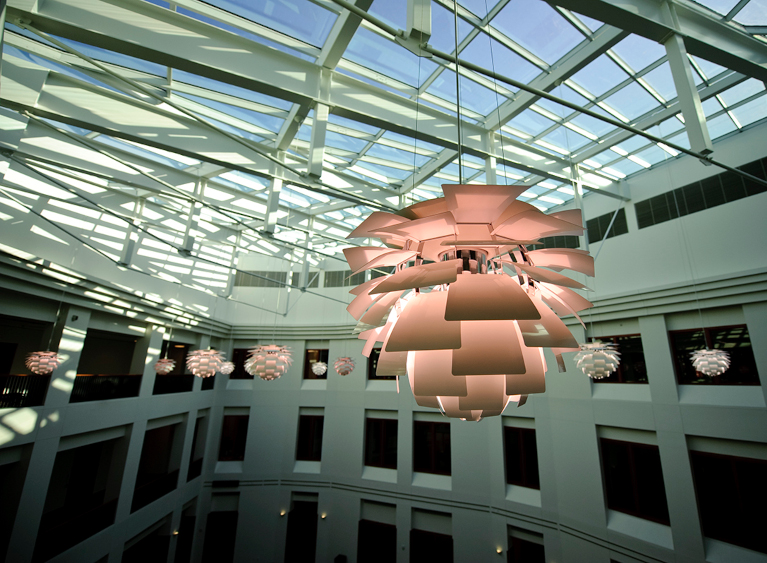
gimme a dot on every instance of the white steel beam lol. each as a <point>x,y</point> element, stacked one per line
<point>704,35</point>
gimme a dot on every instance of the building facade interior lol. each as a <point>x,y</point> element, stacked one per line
<point>180,176</point>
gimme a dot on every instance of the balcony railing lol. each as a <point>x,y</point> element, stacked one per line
<point>59,532</point>
<point>104,387</point>
<point>18,391</point>
<point>164,384</point>
<point>150,491</point>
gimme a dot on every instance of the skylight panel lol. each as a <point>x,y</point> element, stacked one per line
<point>632,101</point>
<point>537,27</point>
<point>244,182</point>
<point>530,122</point>
<point>709,69</point>
<point>626,167</point>
<point>742,91</point>
<point>721,125</point>
<point>386,57</point>
<point>752,111</point>
<point>711,106</point>
<point>639,52</point>
<point>720,6</point>
<point>301,19</point>
<point>487,52</point>
<point>565,139</point>
<point>599,76</point>
<point>442,20</point>
<point>474,96</point>
<point>230,90</point>
<point>266,123</point>
<point>754,13</point>
<point>344,142</point>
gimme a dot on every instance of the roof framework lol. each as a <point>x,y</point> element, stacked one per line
<point>172,137</point>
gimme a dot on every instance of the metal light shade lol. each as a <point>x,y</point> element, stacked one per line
<point>470,331</point>
<point>598,359</point>
<point>227,368</point>
<point>268,362</point>
<point>204,363</point>
<point>710,362</point>
<point>319,368</point>
<point>42,363</point>
<point>344,365</point>
<point>164,366</point>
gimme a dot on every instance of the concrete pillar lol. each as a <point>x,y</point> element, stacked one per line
<point>74,327</point>
<point>145,356</point>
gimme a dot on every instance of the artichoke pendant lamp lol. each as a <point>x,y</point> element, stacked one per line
<point>42,363</point>
<point>344,365</point>
<point>319,368</point>
<point>468,310</point>
<point>710,362</point>
<point>269,361</point>
<point>227,368</point>
<point>204,363</point>
<point>598,359</point>
<point>164,366</point>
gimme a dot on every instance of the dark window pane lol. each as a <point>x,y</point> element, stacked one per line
<point>521,455</point>
<point>733,186</point>
<point>234,434</point>
<point>381,443</point>
<point>732,494</point>
<point>523,551</point>
<point>634,479</point>
<point>712,191</point>
<point>376,542</point>
<point>431,447</point>
<point>301,537</point>
<point>309,438</point>
<point>428,546</point>
<point>239,355</point>
<point>644,214</point>
<point>693,197</point>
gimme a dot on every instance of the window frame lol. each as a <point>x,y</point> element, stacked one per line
<point>373,365</point>
<point>322,355</point>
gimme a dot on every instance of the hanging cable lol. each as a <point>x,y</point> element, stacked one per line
<point>458,93</point>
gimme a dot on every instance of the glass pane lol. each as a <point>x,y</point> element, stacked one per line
<point>755,13</point>
<point>534,25</point>
<point>632,101</point>
<point>600,76</point>
<point>301,19</point>
<point>639,52</point>
<point>487,52</point>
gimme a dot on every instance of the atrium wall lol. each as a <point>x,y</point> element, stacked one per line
<point>649,281</point>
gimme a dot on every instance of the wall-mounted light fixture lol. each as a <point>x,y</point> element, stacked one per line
<point>499,550</point>
<point>324,515</point>
<point>282,513</point>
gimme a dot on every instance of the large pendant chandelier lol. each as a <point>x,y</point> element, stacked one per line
<point>42,363</point>
<point>468,335</point>
<point>598,359</point>
<point>710,362</point>
<point>344,365</point>
<point>204,363</point>
<point>269,361</point>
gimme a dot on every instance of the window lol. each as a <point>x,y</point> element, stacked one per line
<point>632,367</point>
<point>159,464</point>
<point>310,358</point>
<point>521,455</point>
<point>301,537</point>
<point>373,365</point>
<point>234,434</point>
<point>430,546</point>
<point>733,339</point>
<point>341,278</point>
<point>176,351</point>
<point>239,356</point>
<point>634,480</point>
<point>260,279</point>
<point>198,448</point>
<point>732,494</point>
<point>381,442</point>
<point>563,241</point>
<point>431,447</point>
<point>597,227</point>
<point>525,546</point>
<point>707,193</point>
<point>376,542</point>
<point>309,437</point>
